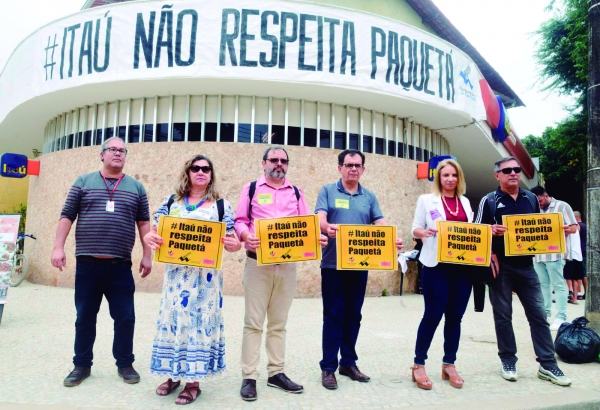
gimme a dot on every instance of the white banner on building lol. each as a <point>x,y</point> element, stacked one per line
<point>242,39</point>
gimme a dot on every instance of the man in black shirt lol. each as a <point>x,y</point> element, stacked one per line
<point>516,273</point>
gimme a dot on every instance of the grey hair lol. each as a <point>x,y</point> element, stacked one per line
<point>105,143</point>
<point>577,214</point>
<point>274,148</point>
<point>501,161</point>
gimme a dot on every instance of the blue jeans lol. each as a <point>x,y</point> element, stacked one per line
<point>114,281</point>
<point>551,276</point>
<point>524,281</point>
<point>343,297</point>
<point>446,291</point>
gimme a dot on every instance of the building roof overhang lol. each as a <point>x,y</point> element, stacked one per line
<point>433,17</point>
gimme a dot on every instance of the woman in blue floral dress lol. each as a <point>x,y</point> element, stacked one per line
<point>190,341</point>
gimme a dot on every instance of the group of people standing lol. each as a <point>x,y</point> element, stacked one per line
<point>447,287</point>
<point>189,343</point>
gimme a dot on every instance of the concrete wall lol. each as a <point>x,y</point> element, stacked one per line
<point>157,166</point>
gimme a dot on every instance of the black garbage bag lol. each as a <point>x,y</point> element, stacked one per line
<point>576,343</point>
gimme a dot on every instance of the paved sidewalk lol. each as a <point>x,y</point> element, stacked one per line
<point>36,349</point>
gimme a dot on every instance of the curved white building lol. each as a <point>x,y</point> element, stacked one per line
<point>391,78</point>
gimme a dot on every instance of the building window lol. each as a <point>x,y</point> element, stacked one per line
<point>245,119</point>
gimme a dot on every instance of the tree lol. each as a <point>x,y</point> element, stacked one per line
<point>562,53</point>
<point>562,56</point>
<point>562,153</point>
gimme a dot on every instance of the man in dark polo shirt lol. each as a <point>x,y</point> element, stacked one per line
<point>108,205</point>
<point>344,202</point>
<point>516,273</point>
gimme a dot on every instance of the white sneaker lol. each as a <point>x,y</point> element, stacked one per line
<point>554,375</point>
<point>556,324</point>
<point>509,371</point>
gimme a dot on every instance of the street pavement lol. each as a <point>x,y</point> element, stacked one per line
<point>36,349</point>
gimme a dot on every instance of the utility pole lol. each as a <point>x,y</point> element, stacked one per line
<point>592,301</point>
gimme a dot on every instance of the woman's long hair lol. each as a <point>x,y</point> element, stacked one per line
<point>183,188</point>
<point>461,185</point>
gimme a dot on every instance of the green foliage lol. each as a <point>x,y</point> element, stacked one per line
<point>562,52</point>
<point>562,149</point>
<point>562,56</point>
<point>384,292</point>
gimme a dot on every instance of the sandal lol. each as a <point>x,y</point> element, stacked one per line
<point>169,386</point>
<point>421,380</point>
<point>449,373</point>
<point>186,394</point>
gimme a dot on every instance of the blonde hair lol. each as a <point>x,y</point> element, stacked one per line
<point>183,187</point>
<point>461,185</point>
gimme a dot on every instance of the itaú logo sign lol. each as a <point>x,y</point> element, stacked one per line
<point>13,165</point>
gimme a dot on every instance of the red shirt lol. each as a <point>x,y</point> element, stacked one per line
<point>451,203</point>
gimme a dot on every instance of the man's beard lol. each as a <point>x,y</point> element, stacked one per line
<point>273,173</point>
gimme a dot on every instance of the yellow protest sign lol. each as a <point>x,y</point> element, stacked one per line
<point>534,234</point>
<point>193,242</point>
<point>464,243</point>
<point>366,247</point>
<point>288,239</point>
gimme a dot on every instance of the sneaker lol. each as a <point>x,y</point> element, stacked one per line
<point>509,371</point>
<point>555,375</point>
<point>556,324</point>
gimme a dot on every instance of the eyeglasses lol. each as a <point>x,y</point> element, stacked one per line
<point>507,171</point>
<point>196,168</point>
<point>276,160</point>
<point>350,166</point>
<point>114,150</point>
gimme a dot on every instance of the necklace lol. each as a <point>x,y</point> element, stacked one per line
<point>455,213</point>
<point>192,207</point>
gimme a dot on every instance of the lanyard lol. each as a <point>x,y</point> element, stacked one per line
<point>110,193</point>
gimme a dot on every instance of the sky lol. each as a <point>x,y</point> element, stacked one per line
<point>500,30</point>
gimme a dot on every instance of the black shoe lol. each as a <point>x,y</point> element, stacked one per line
<point>248,390</point>
<point>328,380</point>
<point>77,375</point>
<point>354,374</point>
<point>129,375</point>
<point>281,381</point>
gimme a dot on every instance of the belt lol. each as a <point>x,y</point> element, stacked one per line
<point>106,261</point>
<point>251,255</point>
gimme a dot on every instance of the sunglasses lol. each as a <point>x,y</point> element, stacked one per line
<point>276,160</point>
<point>350,166</point>
<point>507,171</point>
<point>196,168</point>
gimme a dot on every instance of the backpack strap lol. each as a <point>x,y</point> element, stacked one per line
<point>221,208</point>
<point>491,202</point>
<point>169,203</point>
<point>532,198</point>
<point>251,192</point>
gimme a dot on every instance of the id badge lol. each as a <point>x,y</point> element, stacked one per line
<point>110,206</point>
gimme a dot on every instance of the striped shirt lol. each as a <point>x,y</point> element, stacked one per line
<point>99,232</point>
<point>568,219</point>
